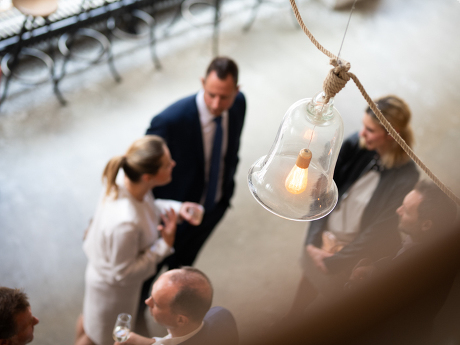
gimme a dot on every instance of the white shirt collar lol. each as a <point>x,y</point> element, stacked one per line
<point>208,127</point>
<point>169,340</point>
<point>205,115</point>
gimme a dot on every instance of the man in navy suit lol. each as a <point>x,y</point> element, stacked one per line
<point>180,301</point>
<point>189,127</point>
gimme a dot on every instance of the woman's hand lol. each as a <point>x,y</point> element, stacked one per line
<point>168,229</point>
<point>318,255</point>
<point>191,212</point>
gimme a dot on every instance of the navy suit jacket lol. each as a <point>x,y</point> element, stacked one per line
<point>179,125</point>
<point>219,328</point>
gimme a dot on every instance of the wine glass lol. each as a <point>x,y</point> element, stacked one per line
<point>196,211</point>
<point>122,327</point>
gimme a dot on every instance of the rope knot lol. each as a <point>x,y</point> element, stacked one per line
<point>336,79</point>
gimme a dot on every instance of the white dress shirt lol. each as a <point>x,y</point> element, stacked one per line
<point>169,340</point>
<point>208,128</point>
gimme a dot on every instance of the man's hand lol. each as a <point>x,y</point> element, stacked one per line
<point>361,273</point>
<point>136,339</point>
<point>191,212</point>
<point>168,229</point>
<point>318,255</point>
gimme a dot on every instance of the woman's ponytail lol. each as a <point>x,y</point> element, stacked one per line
<point>110,173</point>
<point>143,157</point>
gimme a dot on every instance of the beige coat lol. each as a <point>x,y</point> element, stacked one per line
<point>123,249</point>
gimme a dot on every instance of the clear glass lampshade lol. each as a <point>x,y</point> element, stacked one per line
<point>285,181</point>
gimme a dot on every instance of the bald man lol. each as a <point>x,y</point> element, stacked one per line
<point>181,302</point>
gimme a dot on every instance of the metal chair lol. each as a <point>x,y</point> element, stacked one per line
<point>191,18</point>
<point>33,10</point>
<point>255,9</point>
<point>67,42</point>
<point>124,27</point>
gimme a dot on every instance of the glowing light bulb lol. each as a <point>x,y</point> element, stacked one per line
<point>297,180</point>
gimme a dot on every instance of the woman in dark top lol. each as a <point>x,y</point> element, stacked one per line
<point>373,174</point>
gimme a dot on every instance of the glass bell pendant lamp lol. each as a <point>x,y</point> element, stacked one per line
<point>294,180</point>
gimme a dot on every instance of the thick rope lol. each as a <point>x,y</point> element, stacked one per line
<point>336,81</point>
<point>308,33</point>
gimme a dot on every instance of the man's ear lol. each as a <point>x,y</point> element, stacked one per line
<point>182,320</point>
<point>202,81</point>
<point>426,225</point>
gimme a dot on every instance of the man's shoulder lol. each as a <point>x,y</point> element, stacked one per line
<point>240,100</point>
<point>218,313</point>
<point>238,109</point>
<point>219,327</point>
<point>220,322</point>
<point>183,106</point>
<point>185,101</point>
<point>241,96</point>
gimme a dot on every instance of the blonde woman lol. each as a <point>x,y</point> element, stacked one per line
<point>373,175</point>
<point>122,244</point>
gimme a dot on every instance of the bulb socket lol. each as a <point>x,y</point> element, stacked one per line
<point>304,159</point>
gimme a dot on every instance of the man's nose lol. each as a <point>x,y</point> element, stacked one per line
<point>36,320</point>
<point>216,102</point>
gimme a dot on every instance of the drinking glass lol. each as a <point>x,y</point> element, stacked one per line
<point>122,327</point>
<point>196,211</point>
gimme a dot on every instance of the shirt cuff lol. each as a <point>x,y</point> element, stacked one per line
<point>165,204</point>
<point>161,248</point>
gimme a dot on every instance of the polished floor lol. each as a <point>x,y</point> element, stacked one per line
<point>51,157</point>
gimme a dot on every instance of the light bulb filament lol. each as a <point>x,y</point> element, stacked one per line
<point>297,180</point>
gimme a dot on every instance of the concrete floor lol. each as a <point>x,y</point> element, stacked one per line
<point>52,156</point>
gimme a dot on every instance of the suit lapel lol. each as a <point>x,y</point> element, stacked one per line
<point>230,136</point>
<point>197,135</point>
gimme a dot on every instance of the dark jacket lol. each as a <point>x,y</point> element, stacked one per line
<point>416,304</point>
<point>378,233</point>
<point>179,125</point>
<point>219,328</point>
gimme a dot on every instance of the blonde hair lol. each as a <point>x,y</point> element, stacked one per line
<point>398,114</point>
<point>143,157</point>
